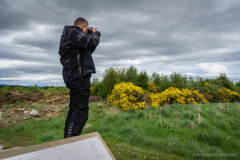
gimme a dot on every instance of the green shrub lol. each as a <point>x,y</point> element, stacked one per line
<point>166,112</point>
<point>125,117</point>
<point>188,115</point>
<point>187,123</point>
<point>104,129</point>
<point>20,128</point>
<point>132,110</point>
<point>236,134</point>
<point>110,118</point>
<point>33,88</point>
<point>177,105</point>
<point>204,124</point>
<point>126,131</point>
<point>213,88</point>
<point>163,123</point>
<point>6,88</point>
<point>47,137</point>
<point>199,84</point>
<point>19,88</point>
<point>140,114</point>
<point>97,89</point>
<point>222,125</point>
<point>213,138</point>
<point>51,90</point>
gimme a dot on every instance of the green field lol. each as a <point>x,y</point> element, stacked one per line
<point>204,131</point>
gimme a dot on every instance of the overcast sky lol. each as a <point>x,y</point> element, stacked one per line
<point>191,37</point>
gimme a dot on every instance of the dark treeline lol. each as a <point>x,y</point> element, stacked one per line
<point>114,76</point>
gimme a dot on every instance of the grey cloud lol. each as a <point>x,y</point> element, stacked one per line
<point>182,31</point>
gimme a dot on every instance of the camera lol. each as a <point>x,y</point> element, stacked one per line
<point>97,32</point>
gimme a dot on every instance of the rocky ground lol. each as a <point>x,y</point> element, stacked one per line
<point>20,113</point>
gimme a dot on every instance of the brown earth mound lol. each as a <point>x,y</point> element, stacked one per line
<point>41,97</point>
<point>93,99</point>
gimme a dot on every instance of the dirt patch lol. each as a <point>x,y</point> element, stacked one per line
<point>93,99</point>
<point>16,114</point>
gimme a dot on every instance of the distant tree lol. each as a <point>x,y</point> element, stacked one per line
<point>155,78</point>
<point>164,83</point>
<point>226,81</point>
<point>161,81</point>
<point>131,75</point>
<point>177,80</point>
<point>121,76</point>
<point>108,81</point>
<point>237,83</point>
<point>143,80</point>
<point>94,81</point>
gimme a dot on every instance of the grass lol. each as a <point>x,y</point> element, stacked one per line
<point>166,132</point>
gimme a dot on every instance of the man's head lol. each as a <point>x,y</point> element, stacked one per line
<point>82,24</point>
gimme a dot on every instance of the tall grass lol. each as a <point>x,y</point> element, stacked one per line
<point>179,130</point>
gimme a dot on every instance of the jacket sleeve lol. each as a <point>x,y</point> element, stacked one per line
<point>99,35</point>
<point>82,41</point>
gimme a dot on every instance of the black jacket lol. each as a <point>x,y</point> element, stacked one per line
<point>76,51</point>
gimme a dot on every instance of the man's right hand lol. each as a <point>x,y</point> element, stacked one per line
<point>94,30</point>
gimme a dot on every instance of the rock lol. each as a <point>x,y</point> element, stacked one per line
<point>1,119</point>
<point>34,113</point>
<point>21,109</point>
<point>26,112</point>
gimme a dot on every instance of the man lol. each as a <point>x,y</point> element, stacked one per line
<point>77,44</point>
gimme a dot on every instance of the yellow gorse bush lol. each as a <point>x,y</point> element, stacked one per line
<point>226,95</point>
<point>153,87</point>
<point>125,95</point>
<point>174,95</point>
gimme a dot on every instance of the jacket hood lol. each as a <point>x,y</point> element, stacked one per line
<point>71,27</point>
<point>67,27</point>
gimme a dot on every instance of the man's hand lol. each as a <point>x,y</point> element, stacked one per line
<point>94,30</point>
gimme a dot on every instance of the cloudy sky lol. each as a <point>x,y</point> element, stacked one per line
<point>191,37</point>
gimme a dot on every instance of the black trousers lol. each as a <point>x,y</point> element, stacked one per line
<point>78,107</point>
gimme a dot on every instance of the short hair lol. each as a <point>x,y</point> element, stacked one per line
<point>80,21</point>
